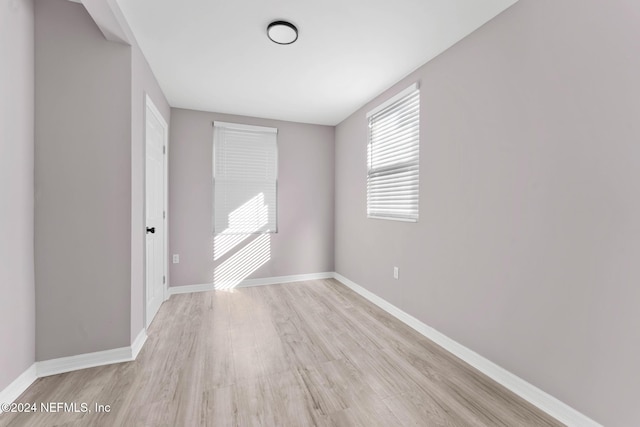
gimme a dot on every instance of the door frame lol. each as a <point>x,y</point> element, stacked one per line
<point>150,106</point>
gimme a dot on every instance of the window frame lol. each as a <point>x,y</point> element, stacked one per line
<point>411,166</point>
<point>249,128</point>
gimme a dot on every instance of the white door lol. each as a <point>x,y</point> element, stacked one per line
<point>156,137</point>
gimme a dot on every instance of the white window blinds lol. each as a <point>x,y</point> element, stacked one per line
<point>393,155</point>
<point>245,172</point>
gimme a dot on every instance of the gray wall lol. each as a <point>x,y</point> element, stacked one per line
<point>17,307</point>
<point>83,184</point>
<point>143,82</point>
<point>528,242</point>
<point>304,242</point>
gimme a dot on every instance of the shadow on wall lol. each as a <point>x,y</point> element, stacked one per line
<point>244,246</point>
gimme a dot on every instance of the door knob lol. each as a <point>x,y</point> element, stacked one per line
<point>151,230</point>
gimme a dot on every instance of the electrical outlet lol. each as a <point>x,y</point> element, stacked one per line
<point>176,258</point>
<point>396,272</point>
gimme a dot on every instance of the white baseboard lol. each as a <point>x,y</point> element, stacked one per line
<point>188,289</point>
<point>549,404</point>
<point>285,279</point>
<point>91,360</point>
<point>83,361</point>
<point>61,365</point>
<point>138,343</point>
<point>18,386</point>
<point>173,290</point>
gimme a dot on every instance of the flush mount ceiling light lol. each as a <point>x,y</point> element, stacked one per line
<point>282,32</point>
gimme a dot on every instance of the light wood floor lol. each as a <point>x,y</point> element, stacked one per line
<point>304,354</point>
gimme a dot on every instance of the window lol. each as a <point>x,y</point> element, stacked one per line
<point>245,172</point>
<point>393,154</point>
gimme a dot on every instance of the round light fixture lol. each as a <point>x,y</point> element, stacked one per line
<point>282,32</point>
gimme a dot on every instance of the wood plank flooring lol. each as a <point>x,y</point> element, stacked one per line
<point>306,354</point>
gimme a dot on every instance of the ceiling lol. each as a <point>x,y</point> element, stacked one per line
<point>214,55</point>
